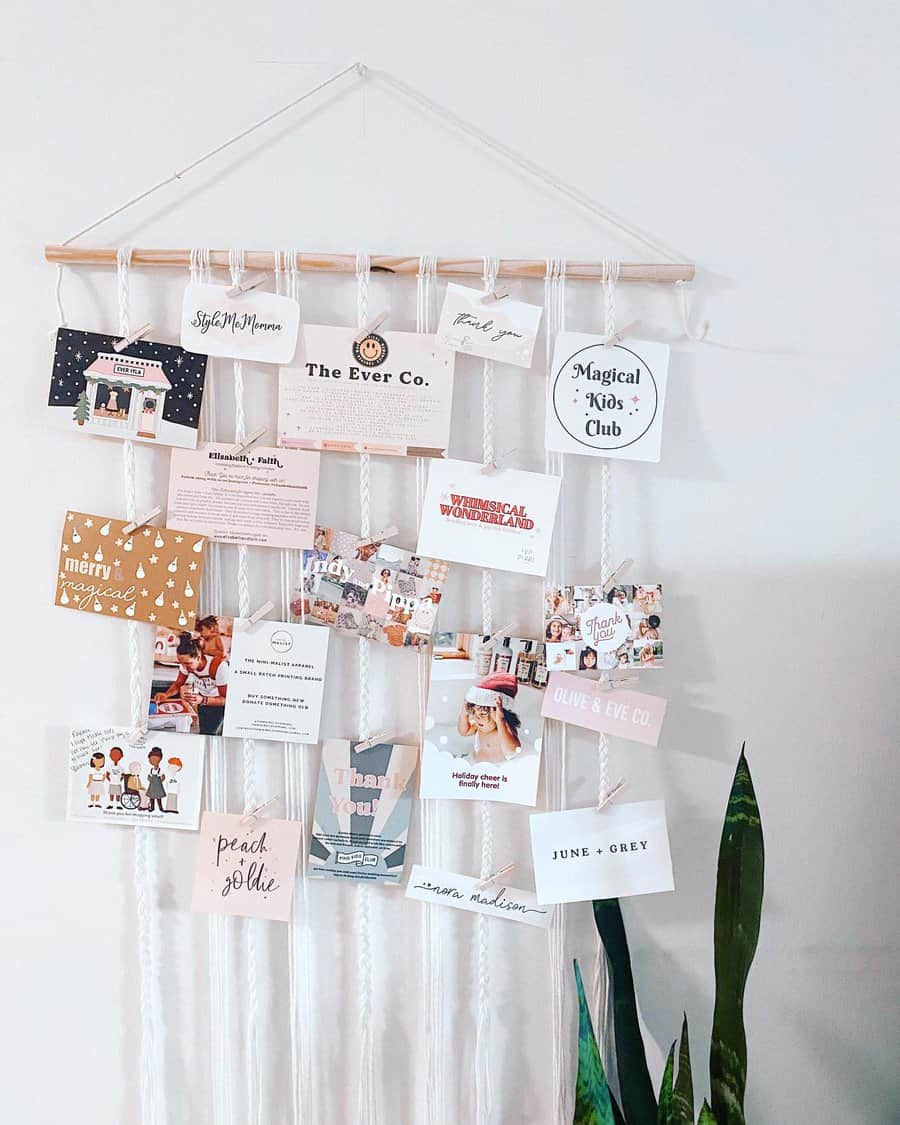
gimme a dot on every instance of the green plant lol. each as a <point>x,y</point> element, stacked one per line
<point>739,892</point>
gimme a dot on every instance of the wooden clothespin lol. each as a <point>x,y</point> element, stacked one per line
<point>505,631</point>
<point>388,533</point>
<point>607,684</point>
<point>370,326</point>
<point>505,870</point>
<point>374,740</point>
<point>492,296</point>
<point>252,816</point>
<point>132,337</point>
<point>617,337</point>
<point>249,440</point>
<point>136,525</point>
<point>497,462</point>
<point>610,579</point>
<point>136,735</point>
<point>614,792</point>
<point>247,622</point>
<point>245,286</point>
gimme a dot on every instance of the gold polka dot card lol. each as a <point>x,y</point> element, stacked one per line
<point>148,574</point>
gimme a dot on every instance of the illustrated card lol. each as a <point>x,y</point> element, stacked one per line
<point>446,888</point>
<point>587,630</point>
<point>246,866</point>
<point>389,393</point>
<point>152,574</point>
<point>255,326</point>
<point>148,392</point>
<point>483,724</point>
<point>373,590</point>
<point>153,780</point>
<point>264,496</point>
<point>363,805</point>
<point>503,330</point>
<point>189,685</point>
<point>607,401</point>
<point>277,681</point>
<point>503,520</point>
<point>629,714</point>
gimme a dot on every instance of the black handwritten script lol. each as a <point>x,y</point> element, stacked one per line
<point>253,877</point>
<point>467,893</point>
<point>238,323</point>
<point>489,327</point>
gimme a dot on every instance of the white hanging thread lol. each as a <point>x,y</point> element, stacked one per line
<point>366,1113</point>
<point>697,337</point>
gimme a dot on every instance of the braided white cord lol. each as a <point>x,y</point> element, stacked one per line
<point>57,294</point>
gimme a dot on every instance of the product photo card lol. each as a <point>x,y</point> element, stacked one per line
<point>277,680</point>
<point>389,393</point>
<point>263,497</point>
<point>587,629</point>
<point>254,326</point>
<point>246,865</point>
<point>503,330</point>
<point>154,780</point>
<point>483,723</point>
<point>151,574</point>
<point>582,854</point>
<point>189,684</point>
<point>464,892</point>
<point>363,805</point>
<point>628,714</point>
<point>369,589</point>
<point>148,392</point>
<point>502,520</point>
<point>607,401</point>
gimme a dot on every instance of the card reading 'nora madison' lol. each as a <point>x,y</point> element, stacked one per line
<point>502,520</point>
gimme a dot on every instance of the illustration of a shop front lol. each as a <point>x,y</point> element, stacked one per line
<point>124,395</point>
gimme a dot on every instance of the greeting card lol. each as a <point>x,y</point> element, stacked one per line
<point>246,865</point>
<point>151,574</point>
<point>148,392</point>
<point>483,724</point>
<point>464,892</point>
<point>582,854</point>
<point>607,401</point>
<point>255,325</point>
<point>504,330</point>
<point>502,519</point>
<point>629,714</point>
<point>369,589</point>
<point>152,780</point>
<point>277,680</point>
<point>263,496</point>
<point>363,805</point>
<point>189,686</point>
<point>388,393</point>
<point>587,629</point>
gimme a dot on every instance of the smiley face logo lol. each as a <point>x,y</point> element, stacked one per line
<point>371,350</point>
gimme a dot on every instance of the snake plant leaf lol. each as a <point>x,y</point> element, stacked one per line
<point>664,1112</point>
<point>739,892</point>
<point>592,1101</point>
<point>706,1115</point>
<point>618,1115</point>
<point>683,1094</point>
<point>635,1087</point>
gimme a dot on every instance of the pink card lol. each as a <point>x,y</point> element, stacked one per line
<point>629,714</point>
<point>246,868</point>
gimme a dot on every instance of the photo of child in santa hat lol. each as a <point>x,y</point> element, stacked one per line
<point>487,715</point>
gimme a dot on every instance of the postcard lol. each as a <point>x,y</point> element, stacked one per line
<point>464,892</point>
<point>369,589</point>
<point>589,630</point>
<point>504,330</point>
<point>607,401</point>
<point>628,714</point>
<point>503,520</point>
<point>189,687</point>
<point>148,392</point>
<point>154,779</point>
<point>483,723</point>
<point>264,496</point>
<point>151,574</point>
<point>255,325</point>
<point>389,393</point>
<point>582,854</point>
<point>363,805</point>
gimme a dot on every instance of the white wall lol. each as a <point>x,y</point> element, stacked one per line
<point>755,138</point>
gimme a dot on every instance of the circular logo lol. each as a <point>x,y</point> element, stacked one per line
<point>371,350</point>
<point>281,641</point>
<point>604,627</point>
<point>605,398</point>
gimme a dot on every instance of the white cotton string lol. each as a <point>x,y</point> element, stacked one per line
<point>366,1112</point>
<point>57,293</point>
<point>681,289</point>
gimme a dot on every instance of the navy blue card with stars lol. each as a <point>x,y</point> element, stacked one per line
<point>147,392</point>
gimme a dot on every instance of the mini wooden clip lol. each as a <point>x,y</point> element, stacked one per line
<point>614,792</point>
<point>370,326</point>
<point>610,580</point>
<point>249,440</point>
<point>253,815</point>
<point>505,631</point>
<point>245,286</point>
<point>132,337</point>
<point>497,462</point>
<point>491,297</point>
<point>505,870</point>
<point>136,525</point>
<point>388,533</point>
<point>617,337</point>
<point>375,740</point>
<point>246,622</point>
<point>607,684</point>
<point>136,735</point>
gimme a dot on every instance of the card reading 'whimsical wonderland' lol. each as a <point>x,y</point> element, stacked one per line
<point>587,630</point>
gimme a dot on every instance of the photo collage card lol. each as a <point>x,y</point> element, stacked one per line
<point>589,630</point>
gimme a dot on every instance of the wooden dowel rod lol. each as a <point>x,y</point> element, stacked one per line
<point>380,263</point>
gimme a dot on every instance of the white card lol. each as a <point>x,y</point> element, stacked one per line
<point>256,325</point>
<point>276,682</point>
<point>503,520</point>
<point>446,888</point>
<point>504,330</point>
<point>607,402</point>
<point>390,393</point>
<point>582,854</point>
